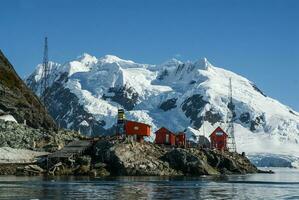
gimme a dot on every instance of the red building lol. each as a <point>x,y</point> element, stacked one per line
<point>219,139</point>
<point>165,136</point>
<point>180,139</point>
<point>137,129</point>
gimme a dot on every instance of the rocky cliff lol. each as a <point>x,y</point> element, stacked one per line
<point>19,101</point>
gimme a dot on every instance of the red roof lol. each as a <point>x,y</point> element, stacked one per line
<point>165,136</point>
<point>138,123</point>
<point>219,139</point>
<point>163,129</point>
<point>218,129</point>
<point>137,128</point>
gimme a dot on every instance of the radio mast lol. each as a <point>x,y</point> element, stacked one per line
<point>231,143</point>
<point>45,72</point>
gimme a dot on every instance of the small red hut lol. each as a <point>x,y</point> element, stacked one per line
<point>180,139</point>
<point>137,129</point>
<point>165,136</point>
<point>219,139</point>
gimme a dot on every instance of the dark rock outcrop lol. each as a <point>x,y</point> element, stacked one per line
<point>258,90</point>
<point>245,117</point>
<point>228,162</point>
<point>212,117</point>
<point>163,74</point>
<point>133,159</point>
<point>61,111</point>
<point>147,159</point>
<point>125,96</point>
<point>192,107</point>
<point>189,161</point>
<point>19,101</point>
<point>257,123</point>
<point>168,104</point>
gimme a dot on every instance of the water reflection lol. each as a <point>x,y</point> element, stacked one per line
<point>284,184</point>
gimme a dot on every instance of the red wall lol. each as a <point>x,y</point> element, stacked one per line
<point>161,137</point>
<point>219,141</point>
<point>181,139</point>
<point>137,128</point>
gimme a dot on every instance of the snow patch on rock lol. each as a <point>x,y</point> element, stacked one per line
<point>8,118</point>
<point>10,155</point>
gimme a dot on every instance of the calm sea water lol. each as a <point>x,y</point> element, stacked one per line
<point>282,185</point>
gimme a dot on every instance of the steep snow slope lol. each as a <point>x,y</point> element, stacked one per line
<point>183,96</point>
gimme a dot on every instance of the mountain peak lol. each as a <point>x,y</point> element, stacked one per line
<point>112,59</point>
<point>172,62</point>
<point>87,58</point>
<point>203,63</point>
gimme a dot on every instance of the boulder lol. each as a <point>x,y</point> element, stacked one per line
<point>133,158</point>
<point>83,170</point>
<point>101,172</point>
<point>188,162</point>
<point>83,160</point>
<point>99,165</point>
<point>229,162</point>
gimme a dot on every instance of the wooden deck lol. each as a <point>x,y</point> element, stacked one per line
<point>73,148</point>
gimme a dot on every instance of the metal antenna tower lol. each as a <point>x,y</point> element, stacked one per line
<point>231,143</point>
<point>45,72</point>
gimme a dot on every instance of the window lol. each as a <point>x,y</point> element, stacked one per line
<point>219,133</point>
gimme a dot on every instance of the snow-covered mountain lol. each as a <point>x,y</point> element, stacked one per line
<point>85,94</point>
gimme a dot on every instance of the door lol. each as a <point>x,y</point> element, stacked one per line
<point>167,138</point>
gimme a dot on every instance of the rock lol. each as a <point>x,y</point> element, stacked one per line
<point>10,169</point>
<point>100,165</point>
<point>83,160</point>
<point>168,104</point>
<point>102,172</point>
<point>266,172</point>
<point>20,136</point>
<point>83,170</point>
<point>192,106</point>
<point>93,173</point>
<point>19,101</point>
<point>147,159</point>
<point>33,170</point>
<point>188,162</point>
<point>29,170</point>
<point>133,158</point>
<point>129,158</point>
<point>60,169</point>
<point>233,162</point>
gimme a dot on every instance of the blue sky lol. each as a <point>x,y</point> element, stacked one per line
<point>258,39</point>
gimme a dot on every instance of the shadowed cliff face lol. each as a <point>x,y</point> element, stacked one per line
<point>19,101</point>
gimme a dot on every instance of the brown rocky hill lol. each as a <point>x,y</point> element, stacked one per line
<point>19,101</point>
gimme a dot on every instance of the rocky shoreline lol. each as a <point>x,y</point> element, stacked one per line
<point>147,159</point>
<point>20,136</point>
<point>113,157</point>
